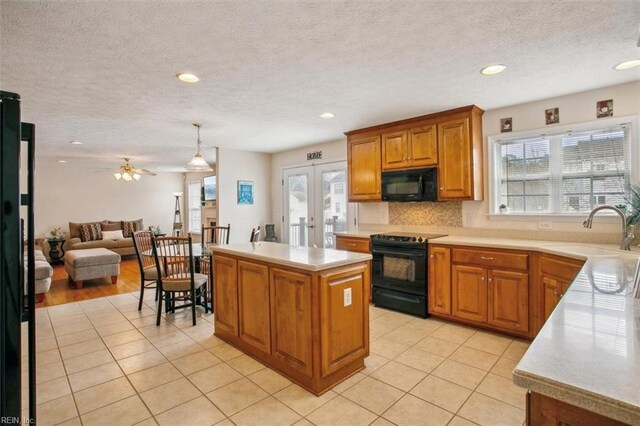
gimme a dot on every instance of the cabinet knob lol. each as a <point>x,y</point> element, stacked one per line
<point>442,188</point>
<point>490,279</point>
<point>481,278</point>
<point>486,258</point>
<point>431,256</point>
<point>352,244</point>
<point>557,293</point>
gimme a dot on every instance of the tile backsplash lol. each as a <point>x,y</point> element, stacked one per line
<point>426,214</point>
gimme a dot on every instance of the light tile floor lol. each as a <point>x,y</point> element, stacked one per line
<point>101,361</point>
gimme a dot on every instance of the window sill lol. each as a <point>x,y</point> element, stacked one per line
<point>553,217</point>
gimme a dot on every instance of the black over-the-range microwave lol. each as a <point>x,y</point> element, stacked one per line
<point>410,185</point>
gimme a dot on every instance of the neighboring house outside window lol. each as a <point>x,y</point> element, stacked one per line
<point>565,173</point>
<point>194,207</point>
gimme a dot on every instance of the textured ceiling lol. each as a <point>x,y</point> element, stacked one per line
<point>103,72</point>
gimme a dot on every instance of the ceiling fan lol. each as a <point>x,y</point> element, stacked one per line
<point>128,173</point>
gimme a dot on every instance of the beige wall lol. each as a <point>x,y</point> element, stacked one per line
<point>331,151</point>
<point>65,193</point>
<point>243,165</point>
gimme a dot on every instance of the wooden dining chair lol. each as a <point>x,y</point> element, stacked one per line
<point>148,271</point>
<point>180,280</point>
<point>215,234</point>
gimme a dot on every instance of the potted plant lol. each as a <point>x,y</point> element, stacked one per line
<point>56,234</point>
<point>503,208</point>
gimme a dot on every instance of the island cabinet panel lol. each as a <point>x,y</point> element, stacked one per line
<point>439,279</point>
<point>469,289</point>
<point>253,291</point>
<point>344,306</point>
<point>364,168</point>
<point>546,411</point>
<point>508,306</point>
<point>291,319</point>
<point>225,269</point>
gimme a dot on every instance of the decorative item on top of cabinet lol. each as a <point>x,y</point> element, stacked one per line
<point>363,158</point>
<point>450,140</point>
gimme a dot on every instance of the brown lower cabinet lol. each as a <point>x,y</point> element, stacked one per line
<point>350,243</point>
<point>545,411</point>
<point>294,320</point>
<point>511,291</point>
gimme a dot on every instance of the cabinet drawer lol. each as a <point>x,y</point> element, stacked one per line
<point>491,258</point>
<point>560,267</point>
<point>360,245</point>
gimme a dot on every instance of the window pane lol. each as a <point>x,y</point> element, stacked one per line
<point>566,173</point>
<point>193,201</point>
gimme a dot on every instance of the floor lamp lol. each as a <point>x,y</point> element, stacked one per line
<point>177,216</point>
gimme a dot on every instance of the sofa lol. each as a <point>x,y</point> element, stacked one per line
<point>92,235</point>
<point>43,275</point>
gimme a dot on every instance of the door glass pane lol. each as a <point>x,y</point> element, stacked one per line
<point>298,209</point>
<point>334,205</point>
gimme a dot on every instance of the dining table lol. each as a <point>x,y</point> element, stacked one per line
<point>198,251</point>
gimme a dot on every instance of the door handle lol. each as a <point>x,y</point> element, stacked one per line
<point>311,226</point>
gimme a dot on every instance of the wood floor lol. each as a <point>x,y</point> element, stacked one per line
<point>63,290</point>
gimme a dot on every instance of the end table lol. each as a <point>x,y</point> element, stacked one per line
<point>57,252</point>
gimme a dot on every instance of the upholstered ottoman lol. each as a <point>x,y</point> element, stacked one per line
<point>91,263</point>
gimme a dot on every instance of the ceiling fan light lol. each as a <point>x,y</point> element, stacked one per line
<point>136,176</point>
<point>127,177</point>
<point>117,175</point>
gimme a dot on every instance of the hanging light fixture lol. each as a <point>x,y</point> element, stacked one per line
<point>128,173</point>
<point>198,163</point>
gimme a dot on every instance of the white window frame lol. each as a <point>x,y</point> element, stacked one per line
<point>196,182</point>
<point>492,175</point>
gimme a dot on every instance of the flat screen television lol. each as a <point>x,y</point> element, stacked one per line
<point>209,185</point>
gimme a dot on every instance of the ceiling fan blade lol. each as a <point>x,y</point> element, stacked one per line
<point>145,172</point>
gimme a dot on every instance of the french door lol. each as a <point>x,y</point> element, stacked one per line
<point>315,204</point>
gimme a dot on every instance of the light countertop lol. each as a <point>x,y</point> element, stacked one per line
<point>588,352</point>
<point>307,258</point>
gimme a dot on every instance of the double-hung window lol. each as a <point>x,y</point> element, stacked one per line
<point>565,173</point>
<point>194,207</point>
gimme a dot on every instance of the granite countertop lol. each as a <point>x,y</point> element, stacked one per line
<point>588,352</point>
<point>307,258</point>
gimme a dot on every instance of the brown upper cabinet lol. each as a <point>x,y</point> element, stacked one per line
<point>363,158</point>
<point>449,140</point>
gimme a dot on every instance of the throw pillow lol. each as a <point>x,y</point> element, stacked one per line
<point>112,235</point>
<point>111,226</point>
<point>128,228</point>
<point>90,232</point>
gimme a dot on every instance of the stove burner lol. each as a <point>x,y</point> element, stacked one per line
<point>405,237</point>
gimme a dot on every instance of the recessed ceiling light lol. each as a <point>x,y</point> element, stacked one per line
<point>187,77</point>
<point>327,115</point>
<point>627,64</point>
<point>62,161</point>
<point>75,143</point>
<point>493,69</point>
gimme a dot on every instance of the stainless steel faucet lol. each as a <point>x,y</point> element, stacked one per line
<point>627,236</point>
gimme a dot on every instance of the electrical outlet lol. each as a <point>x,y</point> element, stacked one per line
<point>346,297</point>
<point>471,218</point>
<point>545,225</point>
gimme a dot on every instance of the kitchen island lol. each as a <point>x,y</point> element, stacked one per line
<point>302,311</point>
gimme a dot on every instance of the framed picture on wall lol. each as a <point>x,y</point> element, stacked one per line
<point>506,124</point>
<point>604,108</point>
<point>245,192</point>
<point>552,116</point>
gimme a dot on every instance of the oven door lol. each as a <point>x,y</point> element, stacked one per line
<point>400,268</point>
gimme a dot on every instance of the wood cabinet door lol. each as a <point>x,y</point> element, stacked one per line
<point>439,271</point>
<point>291,335</point>
<point>423,146</point>
<point>253,297</point>
<point>395,150</point>
<point>455,173</point>
<point>552,290</point>
<point>345,330</point>
<point>360,245</point>
<point>508,300</point>
<point>364,169</point>
<point>225,295</point>
<point>469,287</point>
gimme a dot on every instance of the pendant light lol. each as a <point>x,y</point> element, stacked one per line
<point>198,163</point>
